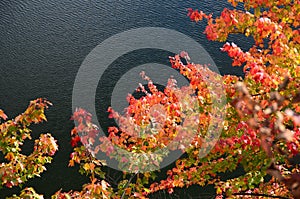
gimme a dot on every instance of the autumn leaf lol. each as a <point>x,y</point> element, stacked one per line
<point>2,115</point>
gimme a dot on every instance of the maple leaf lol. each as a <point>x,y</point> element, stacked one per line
<point>3,115</point>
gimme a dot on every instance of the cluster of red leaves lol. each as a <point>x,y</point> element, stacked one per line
<point>84,126</point>
<point>263,122</point>
<point>83,137</point>
<point>254,145</point>
<point>18,168</point>
<point>261,128</point>
<point>261,131</point>
<point>171,119</point>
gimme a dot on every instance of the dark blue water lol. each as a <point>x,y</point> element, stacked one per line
<point>43,43</point>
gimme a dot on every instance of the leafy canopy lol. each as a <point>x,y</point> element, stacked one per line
<point>260,130</point>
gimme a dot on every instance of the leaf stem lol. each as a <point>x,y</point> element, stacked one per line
<point>259,194</point>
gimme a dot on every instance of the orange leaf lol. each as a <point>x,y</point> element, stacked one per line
<point>3,115</point>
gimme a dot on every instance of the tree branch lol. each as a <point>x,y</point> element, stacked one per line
<point>259,194</point>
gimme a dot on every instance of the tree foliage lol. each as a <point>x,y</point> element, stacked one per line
<point>17,167</point>
<point>258,116</point>
<point>261,127</point>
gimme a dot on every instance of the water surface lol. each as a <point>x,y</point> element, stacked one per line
<point>43,43</point>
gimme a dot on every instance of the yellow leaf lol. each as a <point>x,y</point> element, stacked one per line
<point>86,166</point>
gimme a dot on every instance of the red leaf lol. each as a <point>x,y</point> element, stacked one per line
<point>3,115</point>
<point>75,140</point>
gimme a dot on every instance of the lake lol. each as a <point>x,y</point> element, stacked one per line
<point>43,44</point>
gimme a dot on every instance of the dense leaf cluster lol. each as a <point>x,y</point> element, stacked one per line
<point>257,116</point>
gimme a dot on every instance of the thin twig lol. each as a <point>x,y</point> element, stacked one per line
<point>127,184</point>
<point>259,194</point>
